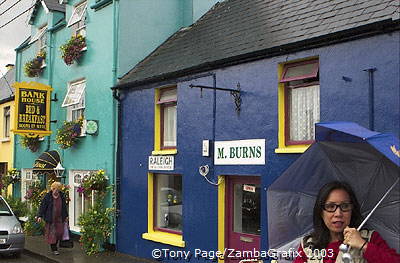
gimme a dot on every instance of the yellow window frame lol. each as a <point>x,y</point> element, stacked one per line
<point>282,147</point>
<point>151,234</point>
<point>157,127</point>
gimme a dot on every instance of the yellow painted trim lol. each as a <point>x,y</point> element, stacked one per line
<point>157,120</point>
<point>282,148</point>
<point>281,109</point>
<point>158,236</point>
<point>165,238</point>
<point>164,152</point>
<point>221,215</point>
<point>292,149</point>
<point>150,202</point>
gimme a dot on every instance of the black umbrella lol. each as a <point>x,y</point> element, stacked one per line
<point>46,162</point>
<point>347,152</point>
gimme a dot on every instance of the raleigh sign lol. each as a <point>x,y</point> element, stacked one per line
<point>161,162</point>
<point>241,152</point>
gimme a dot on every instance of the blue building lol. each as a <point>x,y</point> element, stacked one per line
<point>217,112</point>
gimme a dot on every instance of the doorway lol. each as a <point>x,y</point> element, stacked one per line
<point>243,215</point>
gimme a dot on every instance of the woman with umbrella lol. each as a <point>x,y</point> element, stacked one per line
<point>336,216</point>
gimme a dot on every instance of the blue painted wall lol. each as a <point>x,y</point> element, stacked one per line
<point>340,100</point>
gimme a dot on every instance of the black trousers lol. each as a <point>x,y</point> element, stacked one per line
<point>53,246</point>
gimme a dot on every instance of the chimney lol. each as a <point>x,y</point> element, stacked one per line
<point>9,66</point>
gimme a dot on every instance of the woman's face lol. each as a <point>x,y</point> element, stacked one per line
<point>338,220</point>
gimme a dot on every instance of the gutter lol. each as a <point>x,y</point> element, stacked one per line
<point>381,27</point>
<point>100,4</point>
<point>61,23</point>
<point>11,98</point>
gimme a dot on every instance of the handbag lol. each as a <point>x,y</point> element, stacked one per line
<point>66,241</point>
<point>66,232</point>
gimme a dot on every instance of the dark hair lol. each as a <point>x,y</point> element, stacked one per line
<point>321,236</point>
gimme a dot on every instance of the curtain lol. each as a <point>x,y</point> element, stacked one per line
<point>303,112</point>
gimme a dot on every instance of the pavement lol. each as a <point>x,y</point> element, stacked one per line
<point>36,246</point>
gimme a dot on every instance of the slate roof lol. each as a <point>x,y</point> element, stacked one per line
<point>6,88</point>
<point>239,29</point>
<point>52,5</point>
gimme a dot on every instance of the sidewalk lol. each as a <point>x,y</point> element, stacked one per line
<point>37,247</point>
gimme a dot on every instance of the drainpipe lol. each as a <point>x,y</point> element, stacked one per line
<point>116,115</point>
<point>371,97</point>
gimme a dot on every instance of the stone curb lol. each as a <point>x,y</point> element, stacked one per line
<point>39,256</point>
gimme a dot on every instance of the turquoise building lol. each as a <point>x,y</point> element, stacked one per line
<point>114,35</point>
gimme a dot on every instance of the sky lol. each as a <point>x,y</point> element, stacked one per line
<point>13,34</point>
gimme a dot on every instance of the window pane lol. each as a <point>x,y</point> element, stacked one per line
<point>302,71</point>
<point>74,94</point>
<point>77,14</point>
<point>169,128</point>
<point>168,201</point>
<point>168,95</point>
<point>247,213</point>
<point>303,112</point>
<point>77,205</point>
<point>7,122</point>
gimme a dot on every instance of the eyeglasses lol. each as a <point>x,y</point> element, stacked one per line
<point>331,207</point>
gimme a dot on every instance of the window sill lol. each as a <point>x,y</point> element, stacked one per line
<point>164,152</point>
<point>165,238</point>
<point>292,149</point>
<point>5,139</point>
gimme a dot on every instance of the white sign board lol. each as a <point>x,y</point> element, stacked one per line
<point>241,152</point>
<point>161,162</point>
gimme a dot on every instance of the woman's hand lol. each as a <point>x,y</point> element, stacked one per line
<point>353,238</point>
<point>38,219</point>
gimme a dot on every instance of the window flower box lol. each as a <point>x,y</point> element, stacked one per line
<point>32,143</point>
<point>68,134</point>
<point>72,50</point>
<point>33,68</point>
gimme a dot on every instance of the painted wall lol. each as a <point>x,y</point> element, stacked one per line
<point>145,24</point>
<point>6,144</point>
<point>340,101</point>
<point>91,152</point>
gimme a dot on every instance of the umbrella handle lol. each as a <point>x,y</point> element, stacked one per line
<point>345,248</point>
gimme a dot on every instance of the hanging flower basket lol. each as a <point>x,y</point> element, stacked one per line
<point>34,67</point>
<point>32,143</point>
<point>72,50</point>
<point>96,181</point>
<point>68,134</point>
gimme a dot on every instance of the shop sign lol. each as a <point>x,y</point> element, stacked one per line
<point>161,162</point>
<point>32,109</point>
<point>240,152</point>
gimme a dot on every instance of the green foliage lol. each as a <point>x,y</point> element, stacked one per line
<point>72,50</point>
<point>20,208</point>
<point>96,226</point>
<point>33,68</point>
<point>32,143</point>
<point>13,176</point>
<point>96,181</point>
<point>35,194</point>
<point>31,226</point>
<point>69,133</point>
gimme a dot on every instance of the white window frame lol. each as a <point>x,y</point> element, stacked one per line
<point>7,122</point>
<point>74,184</point>
<point>39,34</point>
<point>76,90</point>
<point>27,178</point>
<point>77,20</point>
